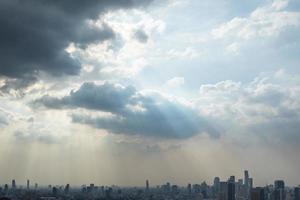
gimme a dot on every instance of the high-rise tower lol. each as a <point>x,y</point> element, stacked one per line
<point>13,184</point>
<point>296,193</point>
<point>246,178</point>
<point>231,188</point>
<point>147,185</point>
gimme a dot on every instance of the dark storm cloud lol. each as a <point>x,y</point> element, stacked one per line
<point>134,113</point>
<point>34,34</point>
<point>106,97</point>
<point>141,36</point>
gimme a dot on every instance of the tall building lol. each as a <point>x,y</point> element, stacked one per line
<point>296,193</point>
<point>204,190</point>
<point>174,189</point>
<point>216,186</point>
<point>231,179</point>
<point>54,191</point>
<point>231,191</point>
<point>279,184</point>
<point>147,185</point>
<point>197,188</point>
<point>258,193</point>
<point>250,183</point>
<point>247,184</point>
<point>239,185</point>
<point>13,184</point>
<point>166,187</point>
<point>223,191</point>
<point>231,188</point>
<point>240,181</point>
<point>279,192</point>
<point>216,181</point>
<point>28,185</point>
<point>67,188</point>
<point>189,188</point>
<point>246,178</point>
<point>5,188</point>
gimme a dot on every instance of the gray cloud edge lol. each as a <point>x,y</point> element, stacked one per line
<point>133,112</point>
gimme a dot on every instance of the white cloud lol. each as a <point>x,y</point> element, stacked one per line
<point>187,53</point>
<point>233,48</point>
<point>280,4</point>
<point>256,105</point>
<point>125,56</point>
<point>175,82</point>
<point>265,21</point>
<point>226,86</point>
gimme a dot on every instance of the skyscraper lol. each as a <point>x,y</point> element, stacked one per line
<point>279,193</point>
<point>246,184</point>
<point>246,178</point>
<point>296,193</point>
<point>28,184</point>
<point>239,188</point>
<point>13,184</point>
<point>147,185</point>
<point>232,179</point>
<point>216,181</point>
<point>67,188</point>
<point>223,191</point>
<point>174,189</point>
<point>258,193</point>
<point>250,183</point>
<point>5,188</point>
<point>279,184</point>
<point>216,186</point>
<point>231,188</point>
<point>189,188</point>
<point>240,181</point>
<point>168,187</point>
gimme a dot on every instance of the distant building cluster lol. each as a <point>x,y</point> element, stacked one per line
<point>231,189</point>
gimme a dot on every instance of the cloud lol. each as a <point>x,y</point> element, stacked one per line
<point>6,117</point>
<point>269,106</point>
<point>280,4</point>
<point>266,21</point>
<point>17,84</point>
<point>175,82</point>
<point>133,113</point>
<point>35,34</point>
<point>141,36</point>
<point>187,53</point>
<point>220,87</point>
<point>106,97</point>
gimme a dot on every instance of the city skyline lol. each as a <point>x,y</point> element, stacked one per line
<point>229,189</point>
<point>245,179</point>
<point>123,91</point>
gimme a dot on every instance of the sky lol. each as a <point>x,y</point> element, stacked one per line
<point>120,91</point>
